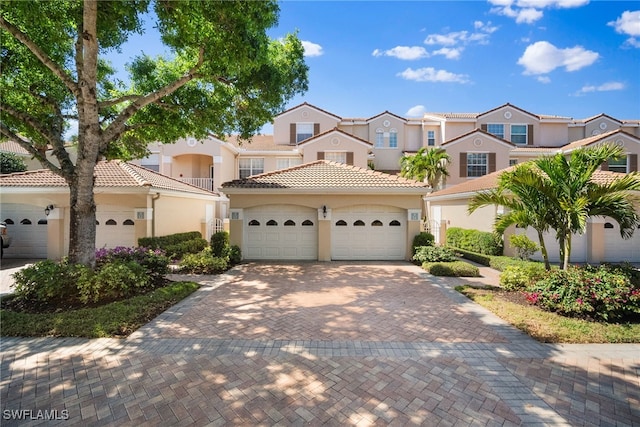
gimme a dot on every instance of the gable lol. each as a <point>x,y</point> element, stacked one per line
<point>478,140</point>
<point>508,111</point>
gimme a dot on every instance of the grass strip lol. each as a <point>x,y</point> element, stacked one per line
<point>117,319</point>
<point>550,327</point>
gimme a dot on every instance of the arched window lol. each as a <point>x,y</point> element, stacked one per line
<point>111,222</point>
<point>395,223</point>
<point>42,222</point>
<point>289,223</point>
<point>9,221</point>
<point>97,222</point>
<point>272,222</point>
<point>359,223</point>
<point>341,223</point>
<point>307,222</point>
<point>608,225</point>
<point>128,222</point>
<point>379,138</point>
<point>254,223</point>
<point>25,221</point>
<point>376,223</point>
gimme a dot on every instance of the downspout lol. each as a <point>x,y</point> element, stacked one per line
<point>153,214</point>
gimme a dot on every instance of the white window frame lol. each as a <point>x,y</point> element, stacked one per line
<point>477,164</point>
<point>336,156</point>
<point>303,131</point>
<point>526,134</point>
<point>393,138</point>
<point>379,138</point>
<point>431,138</point>
<point>495,133</point>
<point>248,166</point>
<point>287,162</point>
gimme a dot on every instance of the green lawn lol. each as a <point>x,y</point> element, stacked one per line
<point>546,326</point>
<point>117,319</point>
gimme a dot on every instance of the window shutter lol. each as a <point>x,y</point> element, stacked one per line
<point>483,127</point>
<point>320,155</point>
<point>350,158</point>
<point>316,128</point>
<point>529,134</point>
<point>604,166</point>
<point>463,165</point>
<point>632,160</point>
<point>492,162</point>
<point>292,134</point>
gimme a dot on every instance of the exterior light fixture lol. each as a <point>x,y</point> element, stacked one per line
<point>48,209</point>
<point>324,211</point>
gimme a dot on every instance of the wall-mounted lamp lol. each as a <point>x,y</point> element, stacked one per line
<point>48,209</point>
<point>324,211</point>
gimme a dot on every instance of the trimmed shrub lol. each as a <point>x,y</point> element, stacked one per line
<point>220,244</point>
<point>235,255</point>
<point>452,269</point>
<point>434,254</point>
<point>192,246</point>
<point>172,239</point>
<point>519,277</point>
<point>155,262</point>
<point>475,241</point>
<point>203,263</point>
<point>422,239</point>
<point>589,292</point>
<point>114,281</point>
<point>525,247</point>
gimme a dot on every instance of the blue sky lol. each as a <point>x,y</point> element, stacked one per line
<point>568,57</point>
<point>575,58</point>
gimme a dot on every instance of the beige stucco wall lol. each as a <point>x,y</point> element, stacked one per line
<point>336,142</point>
<point>550,134</point>
<point>455,129</point>
<point>454,214</point>
<point>179,214</point>
<point>466,145</point>
<point>302,114</point>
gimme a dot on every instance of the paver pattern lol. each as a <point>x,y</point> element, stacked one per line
<point>320,344</point>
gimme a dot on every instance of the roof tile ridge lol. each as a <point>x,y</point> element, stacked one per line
<point>132,172</point>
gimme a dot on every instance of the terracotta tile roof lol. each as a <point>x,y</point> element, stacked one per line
<point>490,181</point>
<point>323,174</point>
<point>108,174</point>
<point>335,130</point>
<point>454,115</point>
<point>477,131</point>
<point>12,147</point>
<point>389,113</point>
<point>597,138</point>
<point>259,143</point>
<point>535,150</point>
<point>588,119</point>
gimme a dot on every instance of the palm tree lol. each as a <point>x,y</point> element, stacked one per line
<point>429,165</point>
<point>566,182</point>
<point>559,192</point>
<point>523,206</point>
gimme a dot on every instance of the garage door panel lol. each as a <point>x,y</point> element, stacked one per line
<point>28,232</point>
<point>375,239</point>
<point>617,249</point>
<point>294,237</point>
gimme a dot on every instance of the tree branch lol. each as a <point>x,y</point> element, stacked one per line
<point>30,121</point>
<point>38,155</point>
<point>40,54</point>
<point>117,127</point>
<point>112,102</point>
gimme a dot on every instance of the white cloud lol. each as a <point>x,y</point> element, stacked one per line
<point>544,79</point>
<point>449,39</point>
<point>312,49</point>
<point>449,53</point>
<point>530,11</point>
<point>605,87</point>
<point>430,74</point>
<point>628,23</point>
<point>408,53</point>
<point>543,57</point>
<point>416,111</point>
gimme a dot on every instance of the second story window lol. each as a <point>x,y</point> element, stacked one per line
<point>393,138</point>
<point>379,138</point>
<point>496,129</point>
<point>287,162</point>
<point>519,134</point>
<point>250,166</point>
<point>618,165</point>
<point>336,156</point>
<point>303,131</point>
<point>477,164</point>
<point>431,138</point>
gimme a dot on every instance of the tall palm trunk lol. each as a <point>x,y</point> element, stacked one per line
<point>543,250</point>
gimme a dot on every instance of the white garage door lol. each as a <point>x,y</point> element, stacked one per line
<point>27,225</point>
<point>115,227</point>
<point>368,233</point>
<point>281,232</point>
<point>617,249</point>
<point>578,246</point>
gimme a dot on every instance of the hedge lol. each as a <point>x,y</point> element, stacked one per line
<point>452,269</point>
<point>176,245</point>
<point>476,241</point>
<point>497,262</point>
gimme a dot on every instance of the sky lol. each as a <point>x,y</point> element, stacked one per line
<point>574,58</point>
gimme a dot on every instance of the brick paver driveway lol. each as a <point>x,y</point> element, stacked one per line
<point>321,343</point>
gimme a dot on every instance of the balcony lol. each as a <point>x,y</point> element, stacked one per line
<point>205,183</point>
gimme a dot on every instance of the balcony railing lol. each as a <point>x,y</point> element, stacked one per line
<point>205,183</point>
